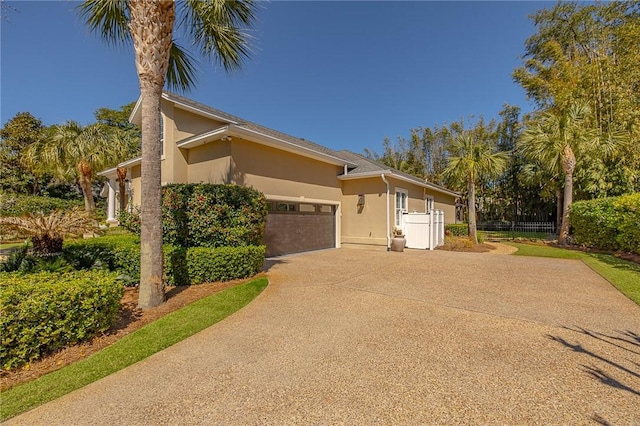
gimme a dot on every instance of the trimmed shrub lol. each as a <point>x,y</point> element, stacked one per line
<point>628,209</point>
<point>207,215</point>
<point>457,229</point>
<point>42,312</point>
<point>176,270</point>
<point>608,223</point>
<point>198,265</point>
<point>118,253</point>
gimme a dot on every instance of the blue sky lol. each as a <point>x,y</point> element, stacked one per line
<point>342,74</point>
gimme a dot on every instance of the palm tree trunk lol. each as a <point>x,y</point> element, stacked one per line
<point>151,27</point>
<point>84,180</point>
<point>568,166</point>
<point>473,233</point>
<point>122,196</point>
<point>558,210</point>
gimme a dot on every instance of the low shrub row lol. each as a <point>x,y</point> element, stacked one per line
<point>204,264</point>
<point>194,265</point>
<point>608,223</point>
<point>42,312</point>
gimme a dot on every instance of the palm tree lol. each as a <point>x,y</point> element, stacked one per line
<point>554,140</point>
<point>471,162</point>
<point>47,231</point>
<point>71,152</point>
<point>214,27</point>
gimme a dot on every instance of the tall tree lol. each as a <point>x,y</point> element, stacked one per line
<point>16,135</point>
<point>557,141</point>
<point>471,161</point>
<point>589,53</point>
<point>215,27</point>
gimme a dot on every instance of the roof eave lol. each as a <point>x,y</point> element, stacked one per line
<point>390,173</point>
<point>203,138</point>
<point>129,163</point>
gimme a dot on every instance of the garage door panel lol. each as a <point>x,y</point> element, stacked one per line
<point>290,232</point>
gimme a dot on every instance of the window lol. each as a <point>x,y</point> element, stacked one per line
<point>285,207</point>
<point>401,204</point>
<point>428,203</point>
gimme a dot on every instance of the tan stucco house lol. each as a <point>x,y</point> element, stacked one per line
<point>318,198</point>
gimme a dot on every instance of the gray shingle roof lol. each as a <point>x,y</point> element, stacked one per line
<point>367,166</point>
<point>256,127</point>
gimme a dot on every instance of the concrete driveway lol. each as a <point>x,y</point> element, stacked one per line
<point>368,337</point>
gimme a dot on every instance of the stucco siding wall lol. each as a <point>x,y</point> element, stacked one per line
<point>136,184</point>
<point>187,124</point>
<point>210,163</point>
<point>365,224</point>
<point>278,173</point>
<point>446,203</point>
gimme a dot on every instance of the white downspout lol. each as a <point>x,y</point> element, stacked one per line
<point>388,233</point>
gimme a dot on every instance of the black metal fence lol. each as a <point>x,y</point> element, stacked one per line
<point>516,230</point>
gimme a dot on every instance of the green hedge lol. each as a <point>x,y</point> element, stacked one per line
<point>195,265</point>
<point>457,229</point>
<point>608,223</point>
<point>223,263</point>
<point>42,312</point>
<point>207,215</point>
<point>118,253</point>
<point>17,205</point>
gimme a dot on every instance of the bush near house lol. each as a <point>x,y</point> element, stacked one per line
<point>208,215</point>
<point>204,264</point>
<point>608,223</point>
<point>42,312</point>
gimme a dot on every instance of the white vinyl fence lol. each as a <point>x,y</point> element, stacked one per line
<point>424,230</point>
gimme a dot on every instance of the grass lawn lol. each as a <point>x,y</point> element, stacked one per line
<point>132,348</point>
<point>623,274</point>
<point>506,235</point>
<point>4,246</point>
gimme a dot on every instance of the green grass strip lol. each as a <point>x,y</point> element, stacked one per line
<point>514,235</point>
<point>132,348</point>
<point>623,274</point>
<point>6,246</point>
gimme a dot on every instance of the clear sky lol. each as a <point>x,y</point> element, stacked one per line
<point>342,74</point>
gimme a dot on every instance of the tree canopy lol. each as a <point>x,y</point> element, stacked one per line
<point>590,53</point>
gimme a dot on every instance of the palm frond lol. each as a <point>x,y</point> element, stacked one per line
<point>57,224</point>
<point>109,18</point>
<point>182,72</point>
<point>218,29</point>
